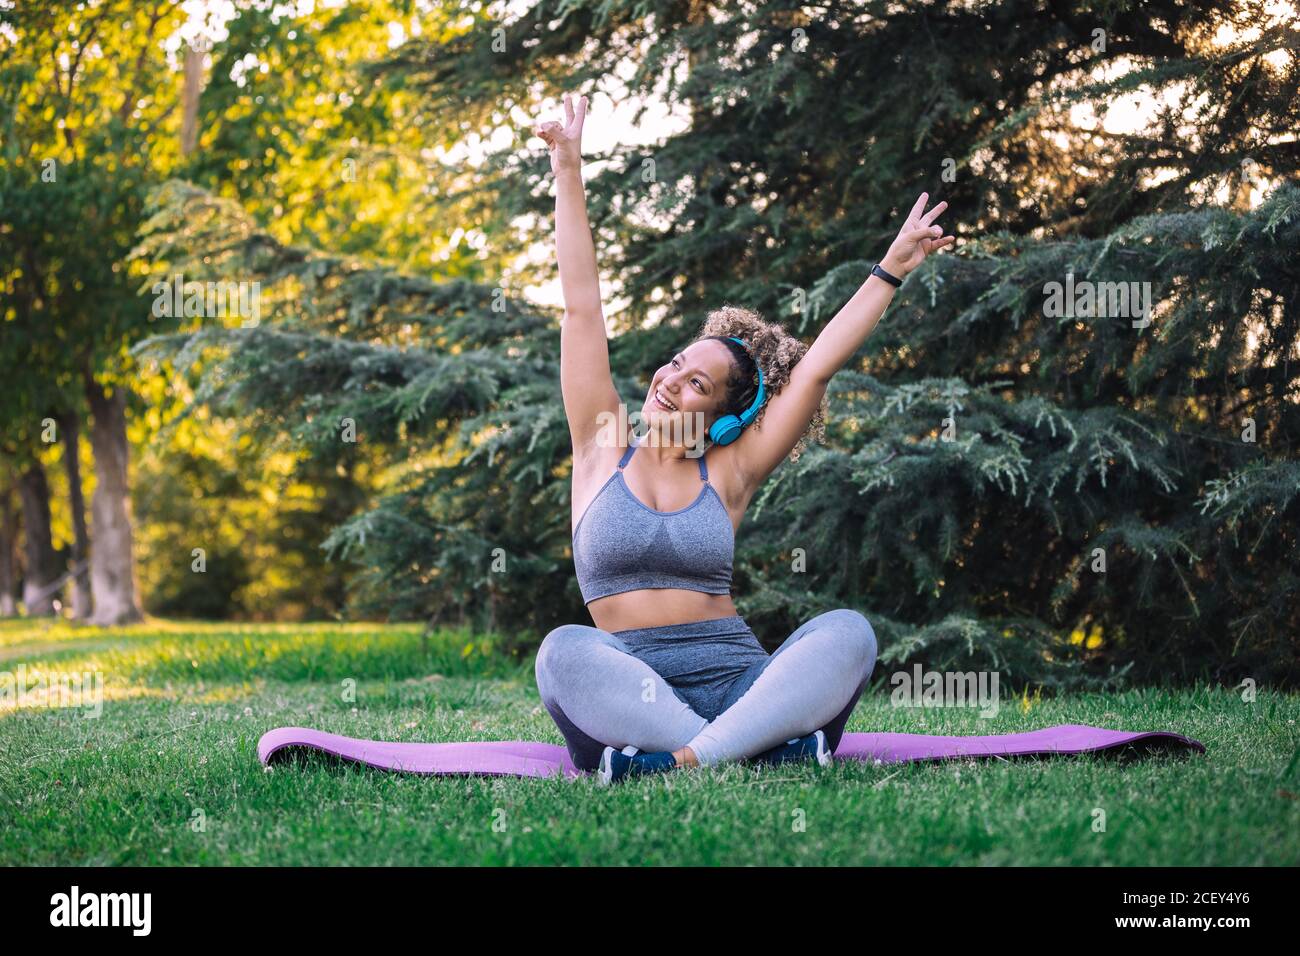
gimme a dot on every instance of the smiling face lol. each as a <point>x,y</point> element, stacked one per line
<point>692,383</point>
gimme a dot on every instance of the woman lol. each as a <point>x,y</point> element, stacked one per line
<point>671,676</point>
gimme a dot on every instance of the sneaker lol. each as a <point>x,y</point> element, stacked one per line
<point>617,764</point>
<point>800,748</point>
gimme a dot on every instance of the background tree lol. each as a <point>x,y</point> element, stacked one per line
<point>295,133</point>
<point>85,129</point>
<point>70,433</point>
<point>97,100</point>
<point>1062,496</point>
<point>8,537</point>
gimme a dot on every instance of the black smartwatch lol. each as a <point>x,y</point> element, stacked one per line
<point>892,280</point>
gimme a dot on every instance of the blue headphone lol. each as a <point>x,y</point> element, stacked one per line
<point>728,428</point>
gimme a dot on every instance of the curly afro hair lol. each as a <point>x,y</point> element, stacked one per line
<point>776,350</point>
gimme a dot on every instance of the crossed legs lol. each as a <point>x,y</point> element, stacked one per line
<point>600,695</point>
<point>813,679</point>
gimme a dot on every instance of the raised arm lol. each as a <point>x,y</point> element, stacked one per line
<point>759,450</point>
<point>585,379</point>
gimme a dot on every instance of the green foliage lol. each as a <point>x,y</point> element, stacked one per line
<point>90,116</point>
<point>77,153</point>
<point>1064,433</point>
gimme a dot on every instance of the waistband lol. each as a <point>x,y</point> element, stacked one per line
<point>717,626</point>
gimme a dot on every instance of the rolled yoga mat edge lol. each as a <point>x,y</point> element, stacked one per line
<point>1063,739</point>
<point>515,758</point>
<point>511,758</point>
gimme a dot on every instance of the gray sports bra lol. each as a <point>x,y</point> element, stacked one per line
<point>620,544</point>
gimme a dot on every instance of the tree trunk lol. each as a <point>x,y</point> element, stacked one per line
<point>42,563</point>
<point>190,93</point>
<point>70,422</point>
<point>8,532</point>
<point>112,558</point>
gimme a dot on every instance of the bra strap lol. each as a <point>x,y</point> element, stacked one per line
<point>632,446</point>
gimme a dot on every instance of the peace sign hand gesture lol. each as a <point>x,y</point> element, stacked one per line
<point>565,141</point>
<point>917,239</point>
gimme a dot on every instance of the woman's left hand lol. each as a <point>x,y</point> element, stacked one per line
<point>917,239</point>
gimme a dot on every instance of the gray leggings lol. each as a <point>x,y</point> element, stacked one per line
<point>708,685</point>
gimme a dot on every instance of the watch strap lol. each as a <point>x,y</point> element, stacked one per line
<point>892,280</point>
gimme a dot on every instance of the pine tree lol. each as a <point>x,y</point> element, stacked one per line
<point>1067,495</point>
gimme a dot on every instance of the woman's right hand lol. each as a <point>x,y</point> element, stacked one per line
<point>565,141</point>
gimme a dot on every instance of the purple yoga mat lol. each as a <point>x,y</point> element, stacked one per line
<point>513,758</point>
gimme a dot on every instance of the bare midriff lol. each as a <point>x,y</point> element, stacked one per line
<point>656,607</point>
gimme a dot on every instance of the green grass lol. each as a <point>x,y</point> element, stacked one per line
<point>185,704</point>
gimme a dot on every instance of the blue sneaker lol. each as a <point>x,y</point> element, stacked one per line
<point>800,748</point>
<point>617,764</point>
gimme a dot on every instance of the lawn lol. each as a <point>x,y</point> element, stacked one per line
<point>168,772</point>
